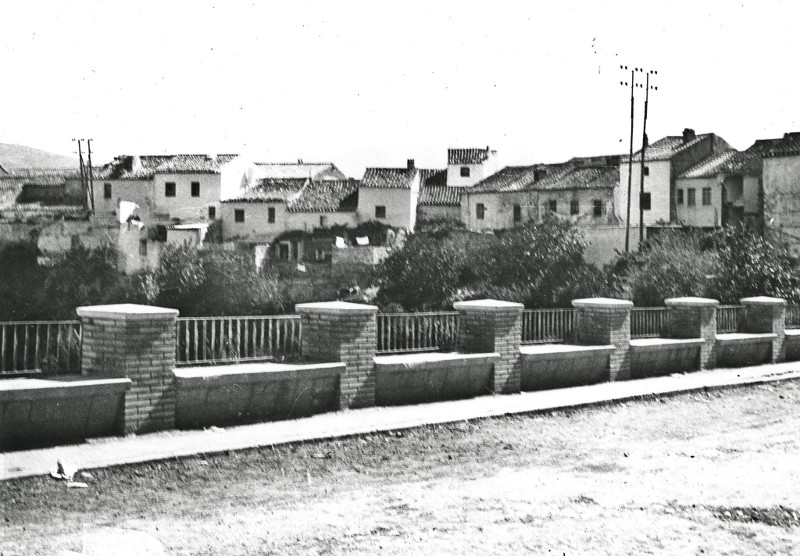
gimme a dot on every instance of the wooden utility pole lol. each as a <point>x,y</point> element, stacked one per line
<point>630,169</point>
<point>83,174</point>
<point>641,169</point>
<point>91,177</point>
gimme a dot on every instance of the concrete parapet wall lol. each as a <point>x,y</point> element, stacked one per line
<point>547,366</point>
<point>233,394</point>
<point>432,377</point>
<point>663,356</point>
<point>41,411</point>
<point>792,344</point>
<point>744,350</point>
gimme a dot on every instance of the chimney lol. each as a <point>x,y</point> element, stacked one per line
<point>136,163</point>
<point>688,135</point>
<point>410,165</point>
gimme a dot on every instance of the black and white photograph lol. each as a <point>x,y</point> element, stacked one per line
<point>350,277</point>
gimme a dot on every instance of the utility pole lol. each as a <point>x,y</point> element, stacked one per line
<point>83,174</point>
<point>644,148</point>
<point>91,177</point>
<point>630,166</point>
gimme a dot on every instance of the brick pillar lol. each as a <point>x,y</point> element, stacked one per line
<point>695,317</point>
<point>767,315</point>
<point>603,322</point>
<point>491,326</point>
<point>135,342</point>
<point>348,333</point>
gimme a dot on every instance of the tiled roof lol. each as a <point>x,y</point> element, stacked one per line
<point>271,190</point>
<point>788,145</point>
<point>43,177</point>
<point>578,173</point>
<point>510,178</point>
<point>432,177</point>
<point>127,167</point>
<point>467,156</point>
<point>433,190</point>
<point>304,195</point>
<point>725,162</point>
<point>667,147</point>
<point>315,170</point>
<point>326,196</point>
<point>389,178</point>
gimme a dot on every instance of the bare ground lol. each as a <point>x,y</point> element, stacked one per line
<point>713,473</point>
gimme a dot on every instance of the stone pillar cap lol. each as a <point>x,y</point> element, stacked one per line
<point>487,305</point>
<point>335,307</point>
<point>602,303</point>
<point>762,300</point>
<point>690,302</point>
<point>125,311</point>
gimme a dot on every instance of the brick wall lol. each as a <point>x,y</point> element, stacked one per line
<point>490,326</point>
<point>138,343</point>
<point>346,333</point>
<point>695,317</point>
<point>768,315</point>
<point>606,322</point>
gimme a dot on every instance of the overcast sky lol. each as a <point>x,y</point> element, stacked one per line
<point>374,83</point>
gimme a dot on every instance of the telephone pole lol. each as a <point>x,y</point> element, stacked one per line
<point>82,174</point>
<point>91,177</point>
<point>647,88</point>
<point>630,165</point>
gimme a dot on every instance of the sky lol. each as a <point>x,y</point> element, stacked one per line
<point>376,83</point>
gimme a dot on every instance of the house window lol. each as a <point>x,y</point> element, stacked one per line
<point>646,170</point>
<point>323,221</point>
<point>574,207</point>
<point>680,197</point>
<point>480,211</point>
<point>212,213</point>
<point>465,171</point>
<point>169,189</point>
<point>517,213</point>
<point>319,255</point>
<point>238,215</point>
<point>143,247</point>
<point>552,204</point>
<point>271,215</point>
<point>599,207</point>
<point>106,191</point>
<point>690,200</point>
<point>283,251</point>
<point>706,196</point>
<point>380,211</point>
<point>195,189</point>
<point>645,202</point>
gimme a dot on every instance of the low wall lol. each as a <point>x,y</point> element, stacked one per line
<point>431,377</point>
<point>36,411</point>
<point>664,356</point>
<point>744,350</point>
<point>792,344</point>
<point>547,366</point>
<point>235,394</point>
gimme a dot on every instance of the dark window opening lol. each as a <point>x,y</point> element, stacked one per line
<point>599,207</point>
<point>169,189</point>
<point>690,197</point>
<point>647,170</point>
<point>706,196</point>
<point>323,221</point>
<point>480,211</point>
<point>212,213</point>
<point>106,191</point>
<point>380,211</point>
<point>465,171</point>
<point>283,251</point>
<point>195,189</point>
<point>271,215</point>
<point>680,197</point>
<point>238,215</point>
<point>553,205</point>
<point>574,207</point>
<point>143,247</point>
<point>645,202</point>
<point>517,213</point>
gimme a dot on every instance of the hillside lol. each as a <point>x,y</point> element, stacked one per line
<point>20,156</point>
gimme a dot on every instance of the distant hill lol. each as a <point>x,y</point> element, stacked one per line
<point>20,156</point>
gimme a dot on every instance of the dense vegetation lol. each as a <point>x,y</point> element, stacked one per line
<point>539,265</point>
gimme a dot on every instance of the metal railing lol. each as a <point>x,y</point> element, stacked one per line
<point>730,318</point>
<point>230,339</point>
<point>409,332</point>
<point>546,326</point>
<point>46,347</point>
<point>648,322</point>
<point>792,316</point>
